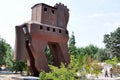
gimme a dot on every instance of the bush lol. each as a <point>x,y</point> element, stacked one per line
<point>81,65</point>
<point>19,66</point>
<point>56,73</point>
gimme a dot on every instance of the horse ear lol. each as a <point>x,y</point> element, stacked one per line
<point>66,17</point>
<point>62,15</point>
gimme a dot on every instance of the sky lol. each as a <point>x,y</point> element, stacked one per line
<point>90,20</point>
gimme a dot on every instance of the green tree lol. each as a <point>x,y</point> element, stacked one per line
<point>19,66</point>
<point>111,42</point>
<point>9,57</point>
<point>72,47</point>
<point>2,51</point>
<point>5,52</point>
<point>91,50</point>
<point>102,55</point>
<point>113,61</point>
<point>49,55</point>
<point>6,57</point>
<point>56,73</point>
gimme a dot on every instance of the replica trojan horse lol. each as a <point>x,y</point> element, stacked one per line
<point>47,27</point>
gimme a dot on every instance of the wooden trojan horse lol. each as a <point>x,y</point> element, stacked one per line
<point>47,27</point>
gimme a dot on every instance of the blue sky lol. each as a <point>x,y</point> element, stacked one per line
<point>89,19</point>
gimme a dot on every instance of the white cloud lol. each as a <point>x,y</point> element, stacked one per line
<point>116,25</point>
<point>96,15</point>
<point>115,14</point>
<point>108,24</point>
<point>93,15</point>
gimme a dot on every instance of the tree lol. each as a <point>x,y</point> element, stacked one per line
<point>6,57</point>
<point>61,73</point>
<point>111,41</point>
<point>72,40</point>
<point>5,51</point>
<point>2,51</point>
<point>72,47</point>
<point>102,55</point>
<point>9,57</point>
<point>91,50</point>
<point>19,66</point>
<point>49,55</point>
<point>113,61</point>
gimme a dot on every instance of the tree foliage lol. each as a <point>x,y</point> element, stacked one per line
<point>19,66</point>
<point>72,47</point>
<point>101,55</point>
<point>82,65</point>
<point>56,73</point>
<point>49,55</point>
<point>6,57</point>
<point>112,42</point>
<point>113,61</point>
<point>5,51</point>
<point>91,50</point>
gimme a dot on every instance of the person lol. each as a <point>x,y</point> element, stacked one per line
<point>0,68</point>
<point>106,73</point>
<point>111,72</point>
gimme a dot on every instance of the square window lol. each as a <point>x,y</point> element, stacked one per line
<point>41,27</point>
<point>48,29</point>
<point>66,32</point>
<point>53,12</point>
<point>53,29</point>
<point>60,31</point>
<point>45,9</point>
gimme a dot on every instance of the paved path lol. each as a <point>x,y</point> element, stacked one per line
<point>4,75</point>
<point>8,75</point>
<point>107,78</point>
<point>101,77</point>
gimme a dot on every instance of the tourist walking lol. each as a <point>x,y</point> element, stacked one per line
<point>111,72</point>
<point>0,68</point>
<point>106,73</point>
